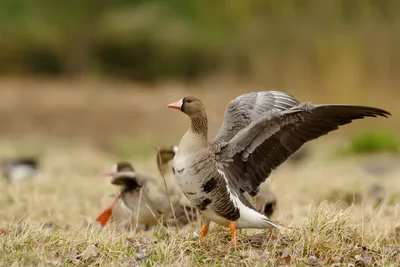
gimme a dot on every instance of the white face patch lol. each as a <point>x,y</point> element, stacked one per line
<point>114,168</point>
<point>175,149</point>
<point>180,103</point>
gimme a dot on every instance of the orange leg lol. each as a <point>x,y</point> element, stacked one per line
<point>204,230</point>
<point>232,227</point>
<point>106,214</point>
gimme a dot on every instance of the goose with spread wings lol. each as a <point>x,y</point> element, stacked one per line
<point>260,131</point>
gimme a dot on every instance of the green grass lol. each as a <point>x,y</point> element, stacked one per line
<point>373,142</point>
<point>127,148</point>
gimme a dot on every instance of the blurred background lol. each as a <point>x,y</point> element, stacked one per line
<point>85,83</point>
<point>103,71</point>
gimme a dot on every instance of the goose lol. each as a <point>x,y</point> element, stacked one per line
<point>18,169</point>
<point>265,201</point>
<point>260,131</point>
<point>154,200</point>
<point>184,211</point>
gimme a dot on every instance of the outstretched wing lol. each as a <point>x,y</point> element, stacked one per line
<point>264,144</point>
<point>249,107</point>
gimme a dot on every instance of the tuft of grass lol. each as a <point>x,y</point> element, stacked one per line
<point>373,142</point>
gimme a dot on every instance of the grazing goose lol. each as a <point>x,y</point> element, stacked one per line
<point>260,131</point>
<point>20,168</point>
<point>153,196</point>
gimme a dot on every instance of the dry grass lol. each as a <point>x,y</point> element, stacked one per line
<point>107,111</point>
<point>48,221</point>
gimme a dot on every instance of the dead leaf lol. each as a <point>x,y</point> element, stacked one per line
<point>3,232</point>
<point>131,239</point>
<point>283,261</point>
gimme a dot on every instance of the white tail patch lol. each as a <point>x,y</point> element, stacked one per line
<point>231,196</point>
<point>249,218</point>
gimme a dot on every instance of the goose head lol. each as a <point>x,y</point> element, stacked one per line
<point>194,108</point>
<point>123,174</point>
<point>189,105</point>
<point>121,166</point>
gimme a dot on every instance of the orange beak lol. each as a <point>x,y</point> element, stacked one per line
<point>177,105</point>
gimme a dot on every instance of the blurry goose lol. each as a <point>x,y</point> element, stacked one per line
<point>265,201</point>
<point>153,204</point>
<point>184,210</point>
<point>20,168</point>
<point>164,160</point>
<point>260,131</point>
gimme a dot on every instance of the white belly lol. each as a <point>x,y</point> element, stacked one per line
<point>192,190</point>
<point>190,186</point>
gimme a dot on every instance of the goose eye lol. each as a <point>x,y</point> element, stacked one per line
<point>188,101</point>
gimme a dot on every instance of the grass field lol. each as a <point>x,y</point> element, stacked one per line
<point>49,221</point>
<point>326,200</point>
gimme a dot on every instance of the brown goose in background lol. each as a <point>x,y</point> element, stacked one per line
<point>151,206</point>
<point>260,131</point>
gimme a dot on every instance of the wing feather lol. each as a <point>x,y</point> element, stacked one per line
<point>250,155</point>
<point>249,107</point>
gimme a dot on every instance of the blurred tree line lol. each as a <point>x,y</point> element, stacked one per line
<point>162,39</point>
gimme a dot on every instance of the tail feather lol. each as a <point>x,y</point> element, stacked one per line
<point>271,223</point>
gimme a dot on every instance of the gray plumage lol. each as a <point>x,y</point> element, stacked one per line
<point>146,190</point>
<point>255,140</point>
<point>260,131</point>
